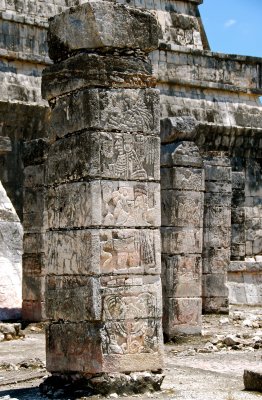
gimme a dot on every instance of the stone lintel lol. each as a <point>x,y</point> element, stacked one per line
<point>5,145</point>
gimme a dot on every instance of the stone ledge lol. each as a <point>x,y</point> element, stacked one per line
<point>211,54</point>
<point>32,58</point>
<point>23,19</point>
<point>245,266</point>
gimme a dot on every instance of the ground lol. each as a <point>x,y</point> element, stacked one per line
<point>209,367</point>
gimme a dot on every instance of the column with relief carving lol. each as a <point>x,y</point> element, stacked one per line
<point>103,287</point>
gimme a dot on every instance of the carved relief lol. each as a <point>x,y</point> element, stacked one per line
<point>130,204</point>
<point>126,156</point>
<point>127,330</point>
<point>127,110</point>
<point>129,250</point>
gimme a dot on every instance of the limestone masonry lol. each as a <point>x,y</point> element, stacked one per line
<point>136,116</point>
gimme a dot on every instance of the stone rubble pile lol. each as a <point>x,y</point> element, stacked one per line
<point>11,331</point>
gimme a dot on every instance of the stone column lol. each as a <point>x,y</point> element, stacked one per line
<point>103,286</point>
<point>182,191</point>
<point>35,224</point>
<point>217,231</point>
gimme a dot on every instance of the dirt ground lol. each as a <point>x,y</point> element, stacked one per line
<point>194,367</point>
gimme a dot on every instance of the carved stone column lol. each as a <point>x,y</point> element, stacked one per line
<point>35,224</point>
<point>103,286</point>
<point>182,190</point>
<point>217,231</point>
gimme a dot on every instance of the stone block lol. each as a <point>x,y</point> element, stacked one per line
<point>104,203</point>
<point>33,288</point>
<point>140,301</point>
<point>238,180</point>
<point>181,276</point>
<point>215,260</point>
<point>238,215</point>
<point>88,252</point>
<point>218,199</point>
<point>5,145</point>
<point>218,236</point>
<point>217,216</point>
<point>238,233</point>
<point>238,251</point>
<point>104,155</point>
<point>188,179</point>
<point>33,311</point>
<point>181,240</point>
<point>34,176</point>
<point>253,380</point>
<point>97,25</point>
<point>214,285</point>
<point>35,151</point>
<point>104,347</point>
<point>125,110</point>
<point>178,128</point>
<point>73,298</point>
<point>94,70</point>
<point>181,154</point>
<point>218,187</point>
<point>182,316</point>
<point>218,173</point>
<point>215,305</point>
<point>182,178</point>
<point>34,264</point>
<point>236,293</point>
<point>34,243</point>
<point>74,347</point>
<point>182,208</point>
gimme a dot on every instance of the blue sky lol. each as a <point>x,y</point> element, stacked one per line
<point>233,26</point>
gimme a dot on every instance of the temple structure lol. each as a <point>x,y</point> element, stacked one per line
<point>211,151</point>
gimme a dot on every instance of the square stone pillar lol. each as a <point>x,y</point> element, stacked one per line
<point>182,204</point>
<point>35,225</point>
<point>103,285</point>
<point>217,231</point>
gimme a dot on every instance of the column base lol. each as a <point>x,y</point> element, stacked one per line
<point>65,385</point>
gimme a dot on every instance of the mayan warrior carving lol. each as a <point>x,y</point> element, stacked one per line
<point>103,286</point>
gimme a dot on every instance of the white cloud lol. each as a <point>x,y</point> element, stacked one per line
<point>230,23</point>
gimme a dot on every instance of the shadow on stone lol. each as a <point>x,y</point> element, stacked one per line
<point>75,386</point>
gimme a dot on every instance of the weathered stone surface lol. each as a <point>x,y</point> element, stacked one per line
<point>183,178</point>
<point>103,155</point>
<point>104,203</point>
<point>125,110</point>
<point>86,347</point>
<point>177,128</point>
<point>88,252</point>
<point>181,240</point>
<point>181,154</point>
<point>182,208</point>
<point>253,380</point>
<point>181,275</point>
<point>98,25</point>
<point>5,145</point>
<point>89,70</point>
<point>182,316</point>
